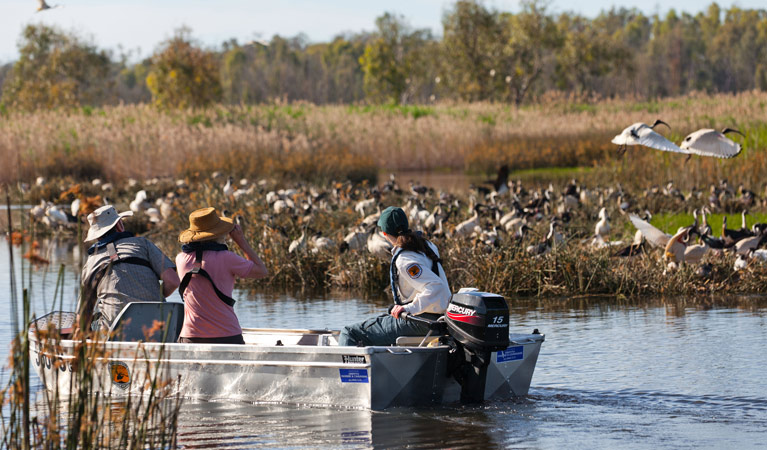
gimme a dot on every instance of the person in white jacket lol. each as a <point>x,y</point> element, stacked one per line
<point>418,282</point>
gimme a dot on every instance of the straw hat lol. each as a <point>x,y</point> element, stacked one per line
<point>102,220</point>
<point>205,224</point>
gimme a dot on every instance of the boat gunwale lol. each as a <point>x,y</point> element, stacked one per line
<point>253,348</point>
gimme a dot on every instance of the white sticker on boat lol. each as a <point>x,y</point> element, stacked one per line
<point>510,354</point>
<point>354,375</point>
<point>353,359</point>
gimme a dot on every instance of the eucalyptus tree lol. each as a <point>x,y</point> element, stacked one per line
<point>54,69</point>
<point>392,59</point>
<point>531,40</point>
<point>183,74</point>
<point>473,41</point>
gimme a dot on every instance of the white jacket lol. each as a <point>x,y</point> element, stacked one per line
<point>421,290</point>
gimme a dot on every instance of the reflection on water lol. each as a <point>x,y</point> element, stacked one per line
<point>659,373</point>
<point>218,424</point>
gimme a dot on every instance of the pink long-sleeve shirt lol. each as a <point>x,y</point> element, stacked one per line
<point>205,315</point>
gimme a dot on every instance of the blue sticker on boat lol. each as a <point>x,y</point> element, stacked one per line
<point>354,375</point>
<point>510,354</point>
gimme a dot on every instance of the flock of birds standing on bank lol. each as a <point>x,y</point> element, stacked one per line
<point>511,214</point>
<point>498,211</point>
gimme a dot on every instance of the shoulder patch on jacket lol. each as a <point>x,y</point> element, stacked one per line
<point>414,270</point>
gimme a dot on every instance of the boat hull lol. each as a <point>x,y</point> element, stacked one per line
<point>304,367</point>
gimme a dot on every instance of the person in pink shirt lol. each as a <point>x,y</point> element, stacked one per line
<point>207,270</point>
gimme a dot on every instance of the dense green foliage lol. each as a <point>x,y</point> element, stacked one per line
<point>56,69</point>
<point>393,60</point>
<point>483,54</point>
<point>183,75</point>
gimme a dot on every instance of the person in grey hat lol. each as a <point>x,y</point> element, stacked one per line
<point>418,285</point>
<point>120,268</point>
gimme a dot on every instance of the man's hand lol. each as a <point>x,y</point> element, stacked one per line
<point>397,310</point>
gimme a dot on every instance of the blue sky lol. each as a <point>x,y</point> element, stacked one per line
<point>139,25</point>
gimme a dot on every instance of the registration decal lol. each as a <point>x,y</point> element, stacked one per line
<point>354,375</point>
<point>510,354</point>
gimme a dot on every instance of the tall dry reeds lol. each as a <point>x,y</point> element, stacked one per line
<point>303,140</point>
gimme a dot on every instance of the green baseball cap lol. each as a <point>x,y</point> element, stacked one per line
<point>393,221</point>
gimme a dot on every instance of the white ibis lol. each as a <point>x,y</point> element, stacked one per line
<point>602,228</point>
<point>139,203</point>
<point>747,245</point>
<point>281,205</point>
<point>321,243</point>
<point>154,215</point>
<point>228,188</point>
<point>759,255</point>
<point>645,135</point>
<point>741,262</point>
<point>56,216</point>
<point>38,211</point>
<point>365,207</point>
<point>678,252</point>
<point>654,236</point>
<point>372,219</point>
<point>709,142</point>
<point>552,241</point>
<point>42,6</point>
<point>356,240</point>
<point>378,246</point>
<point>75,207</point>
<point>467,227</point>
<point>166,205</point>
<point>514,225</point>
<point>298,245</point>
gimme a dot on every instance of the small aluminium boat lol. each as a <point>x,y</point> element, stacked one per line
<point>468,356</point>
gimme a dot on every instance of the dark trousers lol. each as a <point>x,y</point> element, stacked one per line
<point>383,330</point>
<point>237,339</point>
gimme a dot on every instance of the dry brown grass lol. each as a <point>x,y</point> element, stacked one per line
<point>301,141</point>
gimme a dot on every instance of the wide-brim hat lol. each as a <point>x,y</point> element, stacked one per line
<point>205,224</point>
<point>102,220</point>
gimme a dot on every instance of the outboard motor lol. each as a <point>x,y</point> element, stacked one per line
<point>479,323</point>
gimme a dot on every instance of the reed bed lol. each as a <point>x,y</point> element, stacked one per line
<point>309,142</point>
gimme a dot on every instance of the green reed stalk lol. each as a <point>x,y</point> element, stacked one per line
<point>25,369</point>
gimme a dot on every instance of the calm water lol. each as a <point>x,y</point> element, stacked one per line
<point>641,375</point>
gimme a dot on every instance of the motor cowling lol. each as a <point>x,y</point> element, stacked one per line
<point>479,320</point>
<point>479,323</point>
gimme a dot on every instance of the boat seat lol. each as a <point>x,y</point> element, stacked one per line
<point>415,341</point>
<point>309,339</point>
<point>137,320</point>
